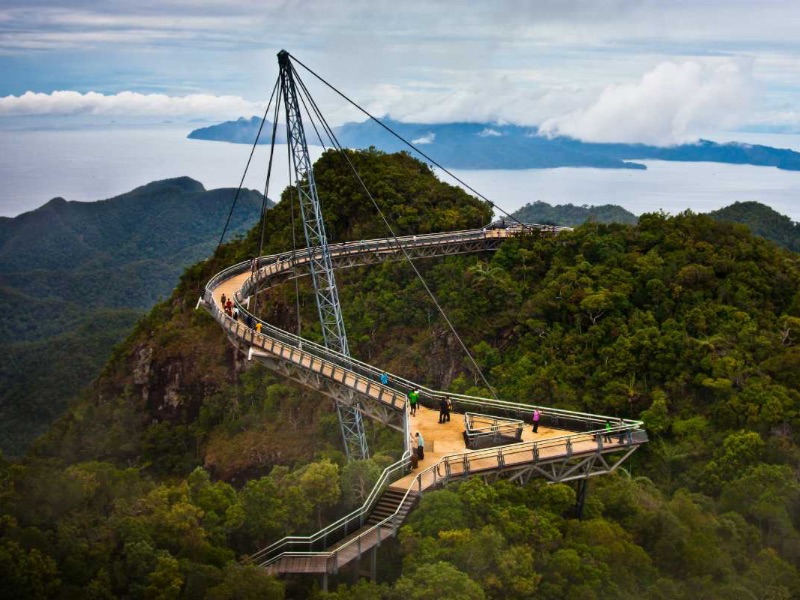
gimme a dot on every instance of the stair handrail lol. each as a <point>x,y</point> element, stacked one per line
<point>355,515</point>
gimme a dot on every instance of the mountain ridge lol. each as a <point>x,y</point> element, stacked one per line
<point>94,268</point>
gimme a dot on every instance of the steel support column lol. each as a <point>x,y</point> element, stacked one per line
<point>320,264</point>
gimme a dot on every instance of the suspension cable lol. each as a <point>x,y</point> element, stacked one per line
<point>266,193</point>
<point>338,146</point>
<point>252,151</point>
<point>269,169</point>
<point>310,118</point>
<point>409,144</point>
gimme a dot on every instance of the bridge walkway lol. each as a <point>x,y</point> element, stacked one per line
<point>569,444</point>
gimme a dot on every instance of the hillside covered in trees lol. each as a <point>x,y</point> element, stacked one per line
<point>570,215</point>
<point>76,276</point>
<point>182,458</point>
<point>763,221</point>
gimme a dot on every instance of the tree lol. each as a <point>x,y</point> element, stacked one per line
<point>246,582</point>
<point>320,483</point>
<point>440,580</point>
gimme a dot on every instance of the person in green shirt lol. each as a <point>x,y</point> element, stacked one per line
<point>413,400</point>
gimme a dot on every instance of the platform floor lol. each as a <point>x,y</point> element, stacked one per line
<point>448,438</point>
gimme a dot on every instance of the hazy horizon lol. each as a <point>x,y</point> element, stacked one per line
<point>97,163</point>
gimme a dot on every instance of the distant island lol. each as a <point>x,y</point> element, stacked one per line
<point>492,146</point>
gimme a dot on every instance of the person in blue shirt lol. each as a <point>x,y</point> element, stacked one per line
<point>384,378</point>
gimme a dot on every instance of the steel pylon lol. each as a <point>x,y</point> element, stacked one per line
<point>320,264</point>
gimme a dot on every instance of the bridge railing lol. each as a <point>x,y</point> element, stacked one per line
<point>557,418</point>
<point>455,466</point>
<point>370,376</point>
<point>482,430</point>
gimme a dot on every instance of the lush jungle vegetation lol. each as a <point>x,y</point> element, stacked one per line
<point>75,277</point>
<point>763,221</point>
<point>571,215</point>
<point>181,459</point>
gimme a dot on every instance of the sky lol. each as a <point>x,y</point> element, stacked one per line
<point>661,72</point>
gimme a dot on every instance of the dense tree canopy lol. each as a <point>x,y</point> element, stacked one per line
<point>179,461</point>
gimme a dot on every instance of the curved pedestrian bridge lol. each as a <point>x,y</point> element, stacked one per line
<point>568,446</point>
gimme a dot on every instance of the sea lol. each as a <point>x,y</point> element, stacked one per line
<point>95,163</point>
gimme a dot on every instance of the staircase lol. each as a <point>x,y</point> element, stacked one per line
<point>387,505</point>
<point>354,545</point>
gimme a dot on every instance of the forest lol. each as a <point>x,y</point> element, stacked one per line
<point>182,459</point>
<point>67,267</point>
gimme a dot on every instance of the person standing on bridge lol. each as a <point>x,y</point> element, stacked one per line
<point>622,432</point>
<point>536,416</point>
<point>420,446</point>
<point>414,446</point>
<point>384,378</point>
<point>442,410</point>
<point>413,400</point>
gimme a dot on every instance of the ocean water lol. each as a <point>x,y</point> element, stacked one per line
<point>93,164</point>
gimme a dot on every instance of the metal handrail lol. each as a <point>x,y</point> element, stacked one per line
<point>482,429</point>
<point>272,265</point>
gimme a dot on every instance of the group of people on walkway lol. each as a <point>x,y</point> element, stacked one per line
<point>227,306</point>
<point>233,313</point>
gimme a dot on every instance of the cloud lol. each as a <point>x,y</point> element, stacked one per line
<point>489,132</point>
<point>671,104</point>
<point>425,139</point>
<point>125,104</point>
<point>481,97</point>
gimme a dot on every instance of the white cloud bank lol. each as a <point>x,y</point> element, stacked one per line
<point>125,104</point>
<point>671,104</point>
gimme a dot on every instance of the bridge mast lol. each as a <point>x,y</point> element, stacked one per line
<point>320,265</point>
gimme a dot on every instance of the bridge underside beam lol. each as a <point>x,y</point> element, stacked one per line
<point>568,468</point>
<point>341,393</point>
